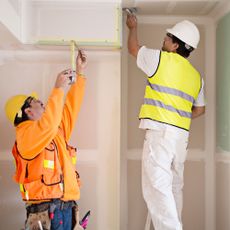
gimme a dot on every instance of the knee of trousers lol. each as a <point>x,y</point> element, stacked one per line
<point>157,178</point>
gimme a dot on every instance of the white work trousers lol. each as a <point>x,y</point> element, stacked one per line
<point>163,160</point>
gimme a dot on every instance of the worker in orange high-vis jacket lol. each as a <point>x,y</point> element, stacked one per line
<point>173,96</point>
<point>45,163</point>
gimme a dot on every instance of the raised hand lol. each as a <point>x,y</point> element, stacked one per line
<point>81,62</point>
<point>63,79</point>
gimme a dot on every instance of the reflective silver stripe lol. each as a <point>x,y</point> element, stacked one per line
<point>172,91</point>
<point>182,113</point>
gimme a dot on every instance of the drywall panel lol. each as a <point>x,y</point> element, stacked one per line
<point>137,209</point>
<point>89,192</point>
<point>12,210</point>
<point>97,132</point>
<point>193,213</point>
<point>223,82</point>
<point>152,35</point>
<point>89,24</point>
<point>222,195</point>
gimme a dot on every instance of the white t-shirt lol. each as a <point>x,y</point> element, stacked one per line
<point>147,61</point>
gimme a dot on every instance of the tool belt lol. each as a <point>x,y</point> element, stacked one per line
<point>39,215</point>
<point>51,206</point>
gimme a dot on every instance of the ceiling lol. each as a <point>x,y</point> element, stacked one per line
<point>177,8</point>
<point>144,7</point>
<point>173,7</point>
<point>147,7</point>
<point>7,40</point>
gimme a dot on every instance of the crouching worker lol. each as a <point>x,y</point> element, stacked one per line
<point>45,163</point>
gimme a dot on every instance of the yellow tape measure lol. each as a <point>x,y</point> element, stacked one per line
<point>73,57</point>
<point>73,47</point>
<point>73,61</point>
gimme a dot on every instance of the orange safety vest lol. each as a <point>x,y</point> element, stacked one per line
<point>41,178</point>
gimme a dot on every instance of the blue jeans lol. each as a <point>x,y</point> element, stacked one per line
<point>62,219</point>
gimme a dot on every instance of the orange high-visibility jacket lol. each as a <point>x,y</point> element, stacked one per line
<point>45,164</point>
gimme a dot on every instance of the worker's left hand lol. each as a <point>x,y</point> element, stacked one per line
<point>81,62</point>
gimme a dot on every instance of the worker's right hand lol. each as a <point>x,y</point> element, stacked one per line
<point>81,62</point>
<point>131,21</point>
<point>63,79</point>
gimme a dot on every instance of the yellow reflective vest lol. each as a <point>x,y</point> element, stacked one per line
<point>171,92</point>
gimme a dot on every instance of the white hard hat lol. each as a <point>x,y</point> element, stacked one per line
<point>187,32</point>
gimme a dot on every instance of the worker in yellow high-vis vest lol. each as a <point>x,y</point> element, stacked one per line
<point>173,96</point>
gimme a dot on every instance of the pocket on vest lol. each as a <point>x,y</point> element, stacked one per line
<point>48,187</point>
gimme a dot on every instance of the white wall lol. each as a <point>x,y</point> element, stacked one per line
<point>222,111</point>
<point>202,138</point>
<point>26,68</point>
<point>96,134</point>
<point>107,130</point>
